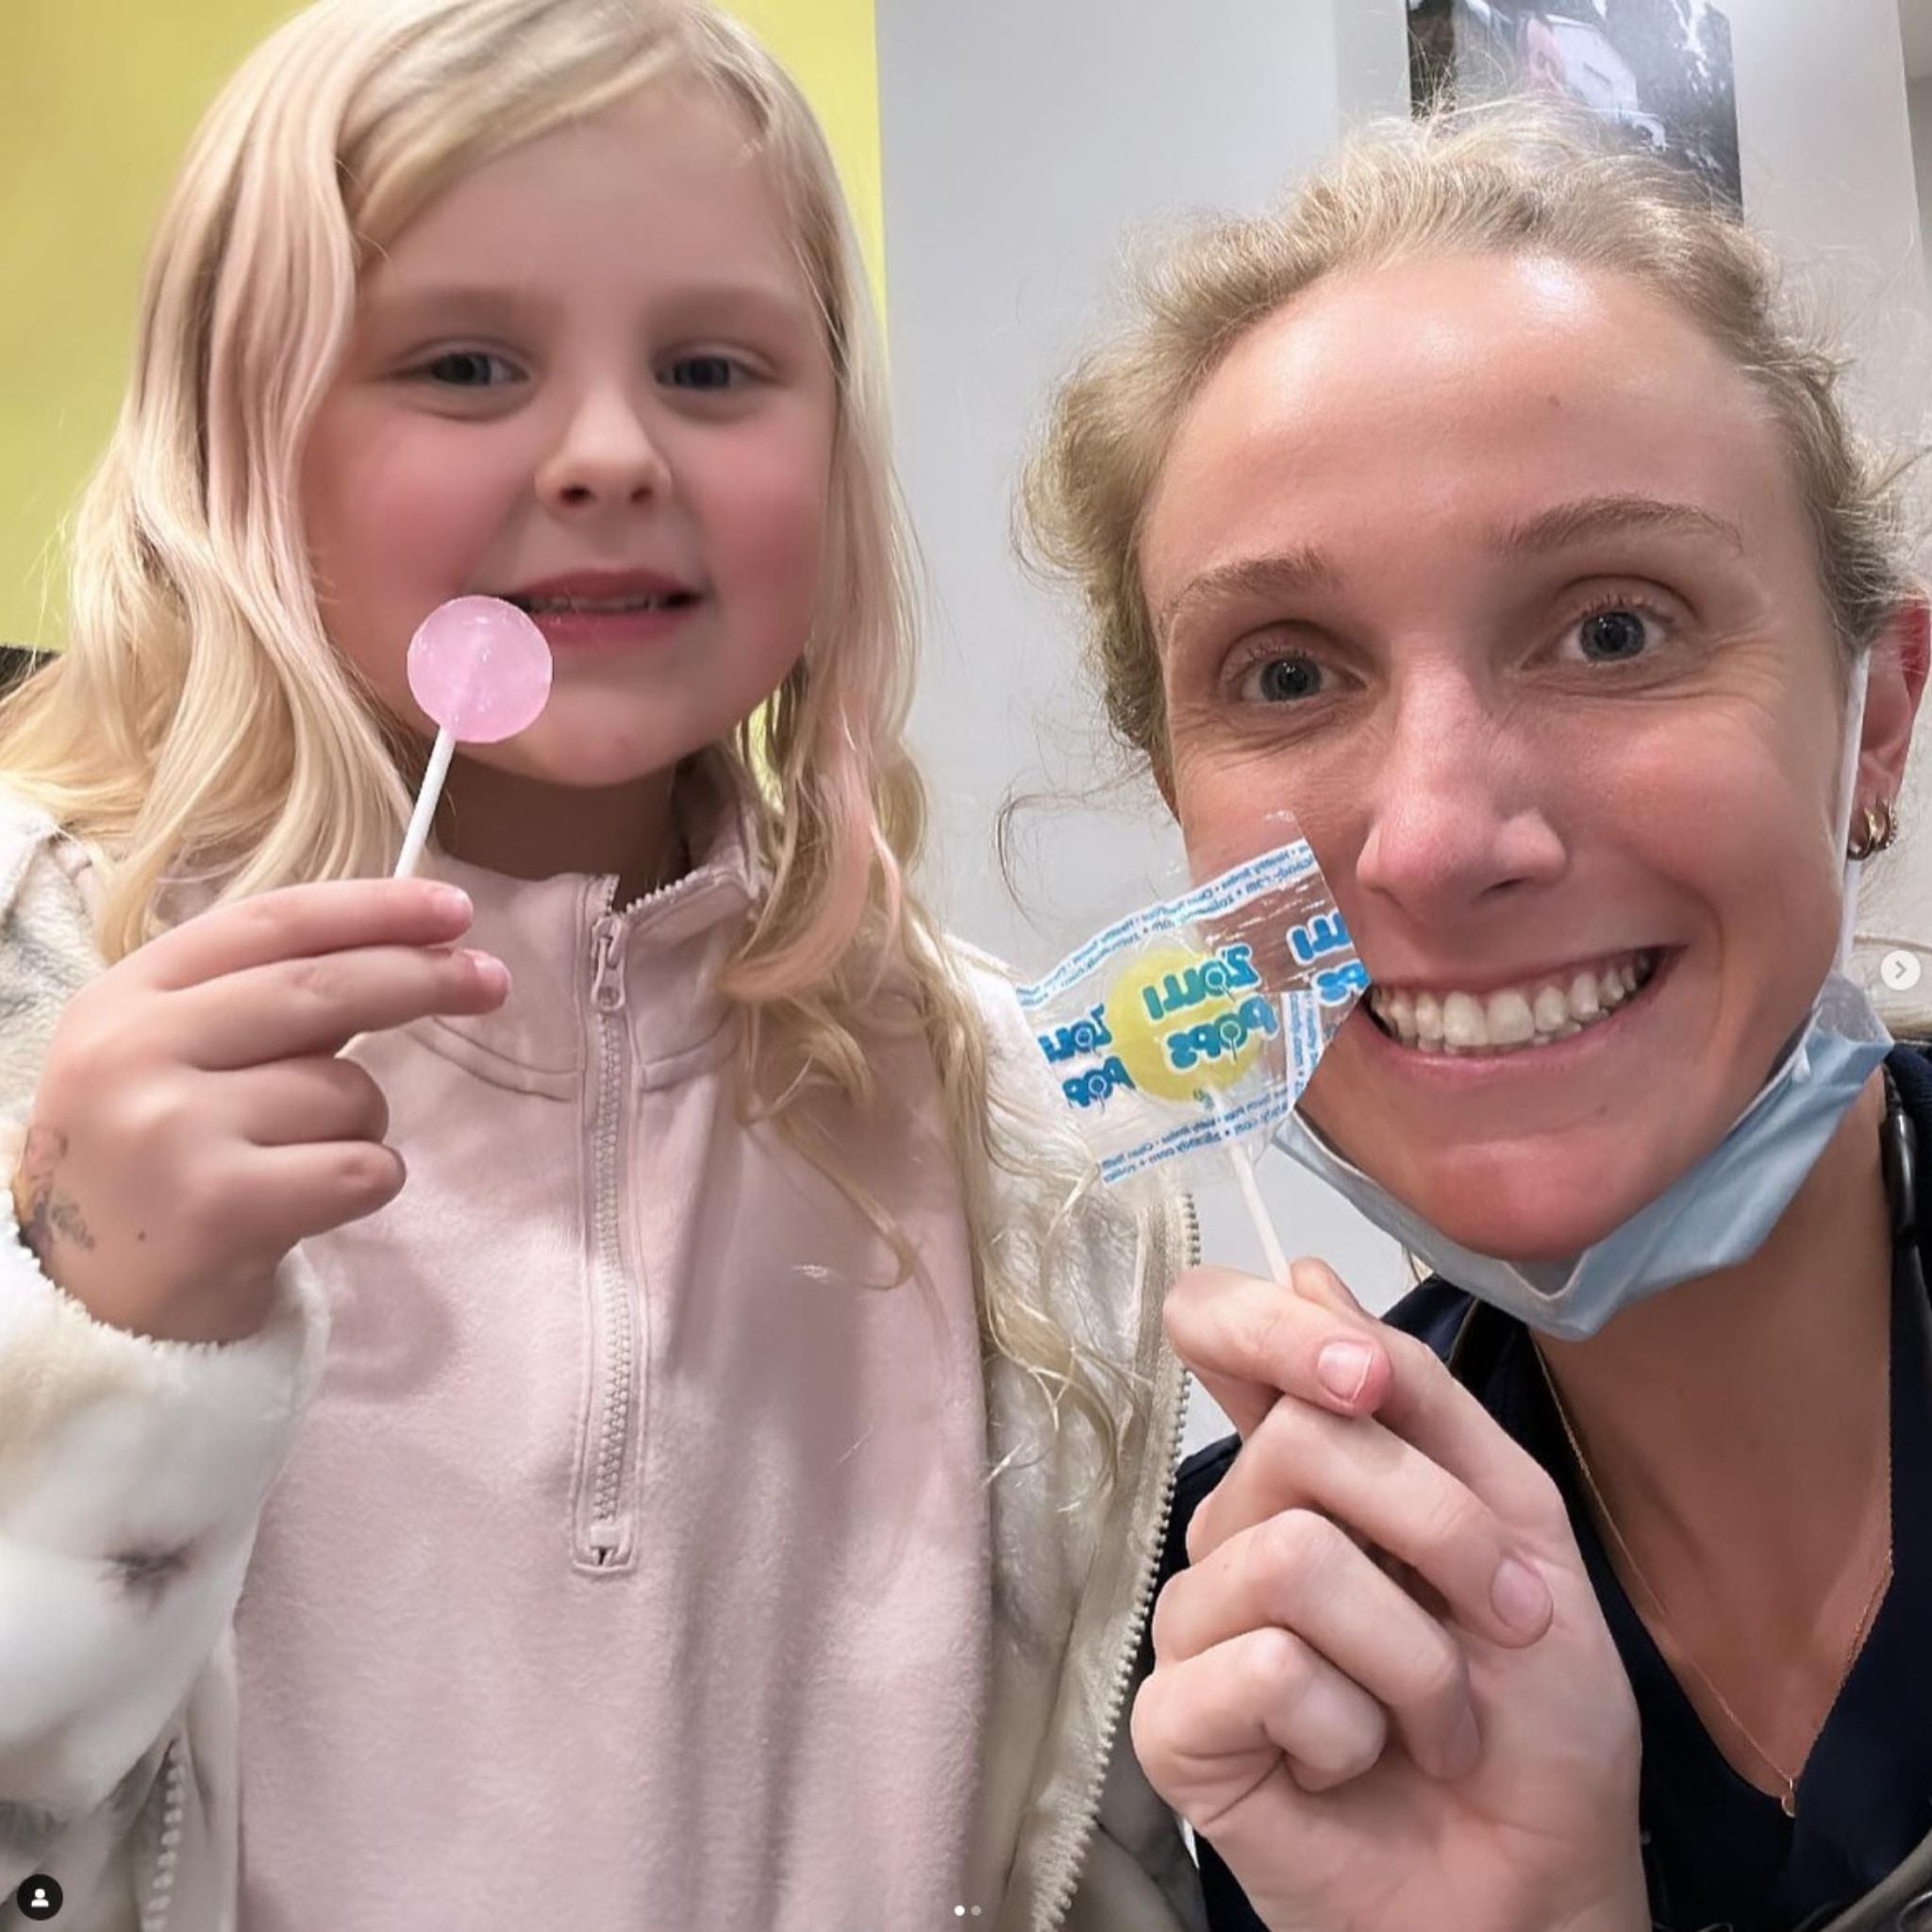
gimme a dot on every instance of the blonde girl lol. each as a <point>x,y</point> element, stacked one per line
<point>730,1492</point>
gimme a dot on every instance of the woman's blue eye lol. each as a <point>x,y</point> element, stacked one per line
<point>464,368</point>
<point>705,373</point>
<point>1611,637</point>
<point>1285,681</point>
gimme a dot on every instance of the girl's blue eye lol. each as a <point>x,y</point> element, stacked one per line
<point>1613,637</point>
<point>707,373</point>
<point>464,369</point>
<point>1283,680</point>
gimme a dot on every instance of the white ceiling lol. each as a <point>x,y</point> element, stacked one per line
<point>1915,20</point>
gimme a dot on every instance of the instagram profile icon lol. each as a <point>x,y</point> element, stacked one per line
<point>39,1897</point>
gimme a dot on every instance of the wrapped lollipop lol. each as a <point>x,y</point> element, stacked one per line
<point>1189,1029</point>
<point>480,669</point>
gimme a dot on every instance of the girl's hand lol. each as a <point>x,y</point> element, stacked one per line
<point>192,1122</point>
<point>1384,1692</point>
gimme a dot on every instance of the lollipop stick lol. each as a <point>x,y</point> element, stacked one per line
<point>417,837</point>
<point>1251,1197</point>
<point>1257,1213</point>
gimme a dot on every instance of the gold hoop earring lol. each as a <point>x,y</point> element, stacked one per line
<point>1876,833</point>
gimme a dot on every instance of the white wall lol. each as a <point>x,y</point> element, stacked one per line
<point>1830,173</point>
<point>1918,112</point>
<point>1023,139</point>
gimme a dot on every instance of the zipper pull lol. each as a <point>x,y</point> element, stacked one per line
<point>607,955</point>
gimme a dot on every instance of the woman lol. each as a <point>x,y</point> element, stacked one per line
<point>1484,511</point>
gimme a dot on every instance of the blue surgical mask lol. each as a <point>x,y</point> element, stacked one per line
<point>1716,1215</point>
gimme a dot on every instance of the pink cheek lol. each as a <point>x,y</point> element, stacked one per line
<point>787,515</point>
<point>426,480</point>
<point>1221,825</point>
<point>764,490</point>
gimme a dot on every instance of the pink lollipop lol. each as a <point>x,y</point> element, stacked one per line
<point>480,668</point>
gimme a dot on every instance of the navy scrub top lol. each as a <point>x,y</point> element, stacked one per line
<point>1718,1851</point>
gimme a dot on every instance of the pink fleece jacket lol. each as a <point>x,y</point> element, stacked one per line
<point>632,1555</point>
<point>630,1569</point>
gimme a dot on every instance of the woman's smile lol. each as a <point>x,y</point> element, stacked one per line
<point>1518,1011</point>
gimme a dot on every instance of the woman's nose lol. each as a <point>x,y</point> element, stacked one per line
<point>1458,819</point>
<point>604,454</point>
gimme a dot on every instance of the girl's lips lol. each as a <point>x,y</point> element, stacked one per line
<point>612,630</point>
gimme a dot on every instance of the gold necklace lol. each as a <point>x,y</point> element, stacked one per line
<point>1788,1799</point>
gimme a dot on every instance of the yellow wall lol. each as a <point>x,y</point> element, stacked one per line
<point>832,46</point>
<point>101,99</point>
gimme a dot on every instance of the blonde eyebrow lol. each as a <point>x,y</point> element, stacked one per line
<point>1281,573</point>
<point>408,309</point>
<point>1608,516</point>
<point>1288,572</point>
<point>419,306</point>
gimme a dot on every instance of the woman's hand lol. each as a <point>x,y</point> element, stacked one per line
<point>192,1122</point>
<point>1384,1690</point>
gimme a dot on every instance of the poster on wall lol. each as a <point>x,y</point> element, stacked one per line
<point>1657,71</point>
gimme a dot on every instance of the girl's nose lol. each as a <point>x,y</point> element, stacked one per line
<point>605,456</point>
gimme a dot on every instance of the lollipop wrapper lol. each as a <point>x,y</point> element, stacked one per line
<point>1199,1021</point>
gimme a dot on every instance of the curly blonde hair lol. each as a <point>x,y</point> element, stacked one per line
<point>1514,179</point>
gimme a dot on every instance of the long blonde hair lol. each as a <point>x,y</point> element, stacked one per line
<point>1515,179</point>
<point>200,720</point>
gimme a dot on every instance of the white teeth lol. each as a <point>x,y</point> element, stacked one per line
<point>597,605</point>
<point>1552,1011</point>
<point>1512,1022</point>
<point>1513,1017</point>
<point>1463,1025</point>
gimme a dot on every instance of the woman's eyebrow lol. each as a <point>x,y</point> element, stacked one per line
<point>1565,524</point>
<point>1290,571</point>
<point>1279,572</point>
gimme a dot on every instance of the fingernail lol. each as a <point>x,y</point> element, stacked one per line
<point>489,970</point>
<point>1464,1748</point>
<point>1521,1597</point>
<point>1343,1368</point>
<point>452,899</point>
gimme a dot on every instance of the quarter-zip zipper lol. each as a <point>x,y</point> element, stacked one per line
<point>612,1420</point>
<point>1071,1856</point>
<point>618,1345</point>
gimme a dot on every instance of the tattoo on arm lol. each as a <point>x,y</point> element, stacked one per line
<point>42,1208</point>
